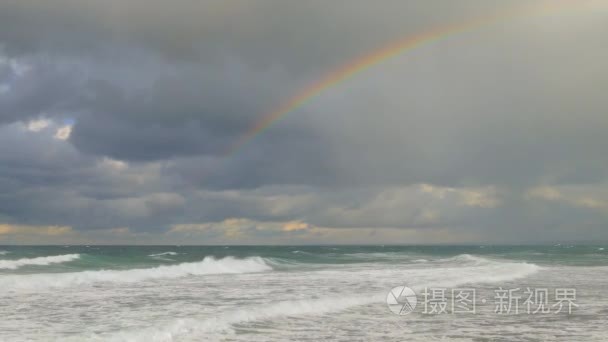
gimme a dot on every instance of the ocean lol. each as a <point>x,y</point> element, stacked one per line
<point>303,293</point>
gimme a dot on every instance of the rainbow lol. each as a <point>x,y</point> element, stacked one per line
<point>366,61</point>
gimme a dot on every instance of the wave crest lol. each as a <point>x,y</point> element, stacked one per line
<point>477,270</point>
<point>209,265</point>
<point>215,327</point>
<point>40,261</point>
<point>473,260</point>
<point>161,254</point>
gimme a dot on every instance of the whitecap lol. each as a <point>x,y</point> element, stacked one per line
<point>224,322</point>
<point>207,266</point>
<point>216,327</point>
<point>161,254</point>
<point>468,259</point>
<point>40,261</point>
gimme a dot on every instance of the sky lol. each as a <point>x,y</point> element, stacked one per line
<point>116,117</point>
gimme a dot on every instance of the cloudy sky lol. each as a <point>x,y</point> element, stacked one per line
<point>115,116</point>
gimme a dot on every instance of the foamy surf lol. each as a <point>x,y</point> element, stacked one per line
<point>319,295</point>
<point>161,254</point>
<point>468,259</point>
<point>208,265</point>
<point>40,261</point>
<point>223,324</point>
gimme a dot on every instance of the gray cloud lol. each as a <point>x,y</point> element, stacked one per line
<point>158,92</point>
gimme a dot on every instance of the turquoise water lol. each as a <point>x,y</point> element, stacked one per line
<point>124,257</point>
<point>268,293</point>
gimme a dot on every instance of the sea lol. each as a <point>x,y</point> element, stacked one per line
<point>304,293</point>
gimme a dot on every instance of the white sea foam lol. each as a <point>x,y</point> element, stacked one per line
<point>209,265</point>
<point>161,254</point>
<point>373,255</point>
<point>4,252</point>
<point>468,259</point>
<point>40,261</point>
<point>491,273</point>
<point>218,326</point>
<point>471,269</point>
<point>223,322</point>
<point>302,252</point>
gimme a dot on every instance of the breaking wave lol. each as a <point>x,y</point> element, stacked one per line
<point>473,260</point>
<point>40,261</point>
<point>161,254</point>
<point>209,265</point>
<point>220,324</point>
<point>478,270</point>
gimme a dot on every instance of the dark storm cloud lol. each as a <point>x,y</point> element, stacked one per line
<point>263,33</point>
<point>189,112</point>
<point>47,89</point>
<point>448,133</point>
<point>158,92</point>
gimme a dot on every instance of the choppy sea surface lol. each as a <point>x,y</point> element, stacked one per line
<point>300,293</point>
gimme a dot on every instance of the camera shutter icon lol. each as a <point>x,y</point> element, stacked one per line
<point>401,300</point>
